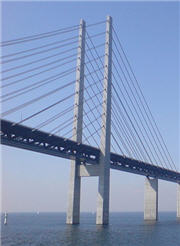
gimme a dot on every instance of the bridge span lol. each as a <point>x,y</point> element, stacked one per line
<point>24,137</point>
<point>126,125</point>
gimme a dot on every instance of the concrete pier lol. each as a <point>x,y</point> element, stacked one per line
<point>73,213</point>
<point>151,199</point>
<point>178,200</point>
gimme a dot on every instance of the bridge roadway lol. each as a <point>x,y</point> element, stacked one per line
<point>24,137</point>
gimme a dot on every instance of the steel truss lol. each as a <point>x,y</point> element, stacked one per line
<point>24,137</point>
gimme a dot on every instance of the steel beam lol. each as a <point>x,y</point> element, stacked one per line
<point>24,137</point>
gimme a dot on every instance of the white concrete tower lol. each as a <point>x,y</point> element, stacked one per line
<point>102,215</point>
<point>73,213</point>
<point>178,200</point>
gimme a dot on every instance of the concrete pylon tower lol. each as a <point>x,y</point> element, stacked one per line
<point>102,215</point>
<point>103,169</point>
<point>73,213</point>
<point>178,201</point>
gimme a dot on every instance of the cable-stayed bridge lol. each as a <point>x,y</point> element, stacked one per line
<point>72,93</point>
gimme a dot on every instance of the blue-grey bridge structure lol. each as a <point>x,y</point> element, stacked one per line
<point>87,160</point>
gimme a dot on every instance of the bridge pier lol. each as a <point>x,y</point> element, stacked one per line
<point>151,199</point>
<point>73,213</point>
<point>178,200</point>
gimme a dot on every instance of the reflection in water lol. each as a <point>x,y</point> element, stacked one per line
<point>103,235</point>
<point>81,235</point>
<point>150,228</point>
<point>72,234</point>
<point>150,222</point>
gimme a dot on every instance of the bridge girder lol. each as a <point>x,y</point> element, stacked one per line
<point>38,141</point>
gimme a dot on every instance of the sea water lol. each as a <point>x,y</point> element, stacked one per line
<point>124,229</point>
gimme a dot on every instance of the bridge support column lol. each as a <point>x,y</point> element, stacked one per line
<point>151,199</point>
<point>73,213</point>
<point>102,215</point>
<point>178,200</point>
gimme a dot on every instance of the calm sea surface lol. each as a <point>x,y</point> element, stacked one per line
<point>125,229</point>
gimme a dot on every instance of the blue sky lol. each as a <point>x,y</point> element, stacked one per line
<point>149,34</point>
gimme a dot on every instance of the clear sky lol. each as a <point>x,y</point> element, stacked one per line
<point>149,34</point>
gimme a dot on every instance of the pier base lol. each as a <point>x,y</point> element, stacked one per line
<point>73,212</point>
<point>151,199</point>
<point>102,215</point>
<point>178,200</point>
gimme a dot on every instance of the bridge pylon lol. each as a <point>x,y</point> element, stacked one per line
<point>102,215</point>
<point>102,170</point>
<point>178,201</point>
<point>73,213</point>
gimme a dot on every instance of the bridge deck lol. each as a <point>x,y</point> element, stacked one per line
<point>27,138</point>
